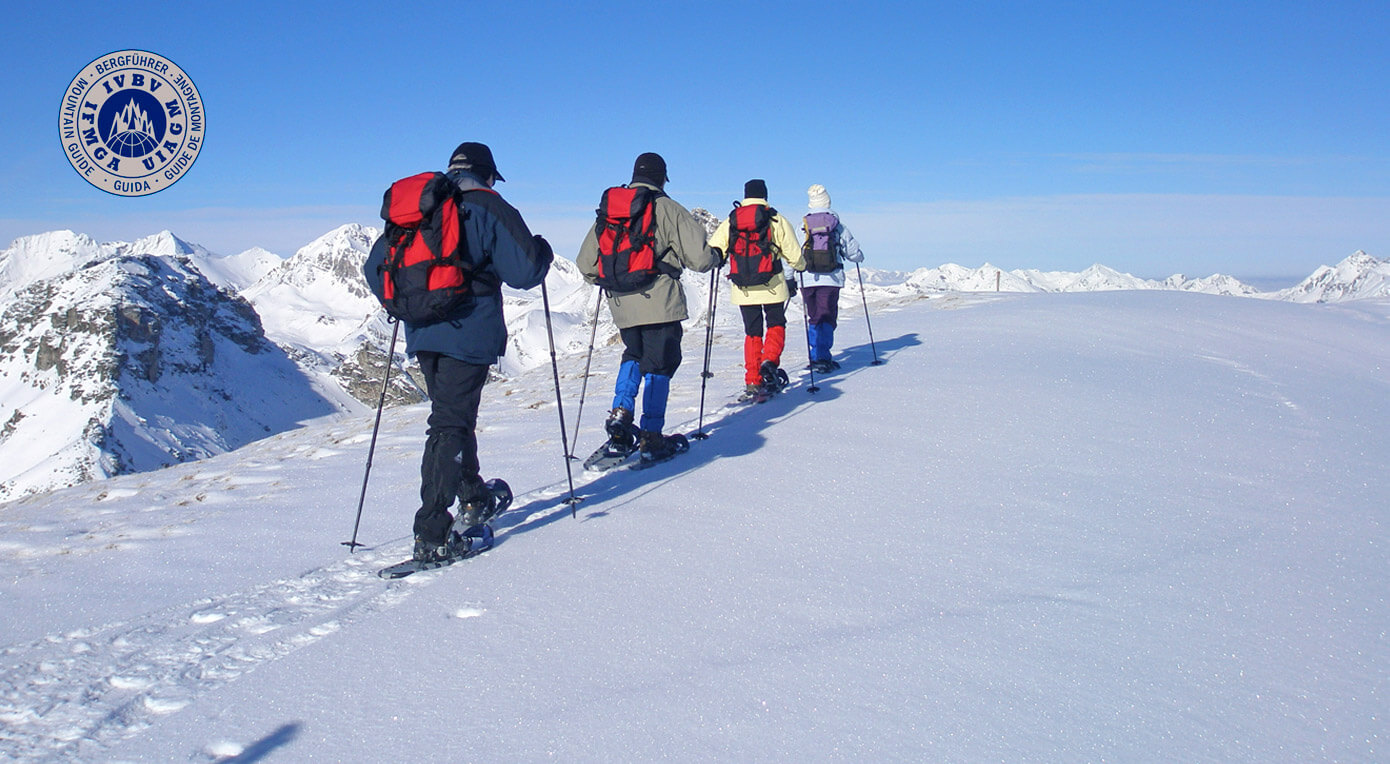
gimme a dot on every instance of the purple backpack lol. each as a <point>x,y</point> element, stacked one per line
<point>822,247</point>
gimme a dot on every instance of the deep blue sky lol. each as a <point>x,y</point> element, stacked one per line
<point>1196,137</point>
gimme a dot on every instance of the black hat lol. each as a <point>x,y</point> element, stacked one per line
<point>650,168</point>
<point>755,189</point>
<point>476,158</point>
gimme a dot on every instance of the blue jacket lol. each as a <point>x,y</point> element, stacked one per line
<point>501,250</point>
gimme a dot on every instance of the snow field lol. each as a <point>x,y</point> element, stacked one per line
<point>1130,526</point>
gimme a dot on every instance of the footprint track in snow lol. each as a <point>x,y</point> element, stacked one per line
<point>73,694</point>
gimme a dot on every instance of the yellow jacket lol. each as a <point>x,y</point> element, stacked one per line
<point>789,249</point>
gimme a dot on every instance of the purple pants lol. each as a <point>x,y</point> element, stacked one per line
<point>822,304</point>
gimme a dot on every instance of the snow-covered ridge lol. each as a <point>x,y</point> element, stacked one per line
<point>130,363</point>
<point>1357,277</point>
<point>61,341</point>
<point>329,267</point>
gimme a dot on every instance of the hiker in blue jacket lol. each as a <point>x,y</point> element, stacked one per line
<point>455,354</point>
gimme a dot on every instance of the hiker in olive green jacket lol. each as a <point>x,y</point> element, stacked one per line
<point>649,319</point>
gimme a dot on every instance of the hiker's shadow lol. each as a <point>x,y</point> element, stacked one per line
<point>734,429</point>
<point>879,353</point>
<point>731,430</point>
<point>726,435</point>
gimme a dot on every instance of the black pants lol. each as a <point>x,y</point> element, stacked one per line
<point>449,467</point>
<point>776,313</point>
<point>655,347</point>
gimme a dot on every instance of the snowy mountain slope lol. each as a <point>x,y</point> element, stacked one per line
<point>138,362</point>
<point>1214,284</point>
<point>1048,528</point>
<point>317,307</point>
<point>1357,277</point>
<point>956,278</point>
<point>317,299</point>
<point>237,272</point>
<point>31,258</point>
<point>1097,278</point>
<point>164,244</point>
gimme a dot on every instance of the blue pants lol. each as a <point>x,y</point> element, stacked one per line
<point>658,389</point>
<point>822,339</point>
<point>822,313</point>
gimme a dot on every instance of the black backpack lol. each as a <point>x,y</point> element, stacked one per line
<point>425,277</point>
<point>752,255</point>
<point>626,232</point>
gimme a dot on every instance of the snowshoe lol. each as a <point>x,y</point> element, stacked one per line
<point>463,540</point>
<point>774,378</point>
<point>429,556</point>
<point>614,451</point>
<point>658,448</point>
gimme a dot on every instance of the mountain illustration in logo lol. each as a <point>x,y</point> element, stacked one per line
<point>132,131</point>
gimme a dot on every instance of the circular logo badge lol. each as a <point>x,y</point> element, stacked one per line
<point>132,123</point>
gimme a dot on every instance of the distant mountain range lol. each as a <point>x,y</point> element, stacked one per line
<point>1359,276</point>
<point>127,356</point>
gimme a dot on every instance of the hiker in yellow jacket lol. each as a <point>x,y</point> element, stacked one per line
<point>756,240</point>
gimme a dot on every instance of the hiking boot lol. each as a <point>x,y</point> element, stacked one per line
<point>619,429</point>
<point>656,446</point>
<point>477,510</point>
<point>430,551</point>
<point>768,371</point>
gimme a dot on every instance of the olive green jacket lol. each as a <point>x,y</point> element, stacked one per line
<point>680,244</point>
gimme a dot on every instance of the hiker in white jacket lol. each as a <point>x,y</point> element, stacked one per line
<point>828,246</point>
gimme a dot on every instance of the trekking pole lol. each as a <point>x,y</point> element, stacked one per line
<point>867,323</point>
<point>806,321</point>
<point>705,375</point>
<point>584,390</point>
<point>380,404</point>
<point>559,405</point>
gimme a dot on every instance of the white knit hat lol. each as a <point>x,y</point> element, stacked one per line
<point>818,196</point>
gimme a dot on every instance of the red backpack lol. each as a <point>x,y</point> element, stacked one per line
<point>425,278</point>
<point>626,231</point>
<point>752,255</point>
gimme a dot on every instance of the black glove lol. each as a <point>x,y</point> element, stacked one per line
<point>719,253</point>
<point>543,250</point>
<point>791,287</point>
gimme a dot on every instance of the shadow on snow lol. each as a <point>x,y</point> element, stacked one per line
<point>733,429</point>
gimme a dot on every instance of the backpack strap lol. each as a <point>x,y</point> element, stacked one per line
<point>658,254</point>
<point>484,281</point>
